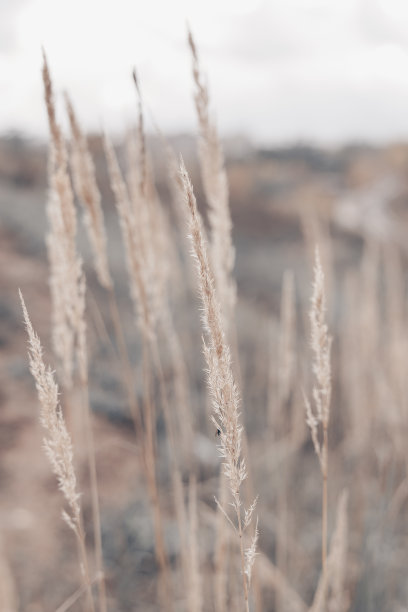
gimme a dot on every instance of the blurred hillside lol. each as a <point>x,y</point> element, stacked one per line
<point>275,195</point>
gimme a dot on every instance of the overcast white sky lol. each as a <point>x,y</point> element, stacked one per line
<point>279,70</point>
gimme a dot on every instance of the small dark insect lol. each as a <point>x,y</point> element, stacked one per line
<point>218,432</point>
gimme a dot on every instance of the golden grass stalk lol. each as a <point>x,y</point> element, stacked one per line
<point>139,286</point>
<point>319,417</point>
<point>68,292</point>
<point>223,391</point>
<point>65,265</point>
<point>83,172</point>
<point>161,263</point>
<point>160,259</point>
<point>57,443</point>
<point>141,139</point>
<point>222,252</point>
<point>221,249</point>
<point>141,293</point>
<point>148,222</point>
<point>90,448</point>
<point>66,276</point>
<point>215,184</point>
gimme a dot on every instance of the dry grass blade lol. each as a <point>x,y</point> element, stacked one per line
<point>215,183</point>
<point>194,591</point>
<point>223,391</point>
<point>68,290</point>
<point>66,276</point>
<point>134,253</point>
<point>319,417</point>
<point>83,171</point>
<point>57,441</point>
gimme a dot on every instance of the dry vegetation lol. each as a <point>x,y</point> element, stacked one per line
<point>226,507</point>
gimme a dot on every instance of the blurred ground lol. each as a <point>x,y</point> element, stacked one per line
<point>276,196</point>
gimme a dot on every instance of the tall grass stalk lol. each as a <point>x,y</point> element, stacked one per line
<point>221,248</point>
<point>90,447</point>
<point>68,290</point>
<point>139,289</point>
<point>215,184</point>
<point>224,394</point>
<point>156,249</point>
<point>65,265</point>
<point>83,172</point>
<point>157,252</point>
<point>57,445</point>
<point>319,417</point>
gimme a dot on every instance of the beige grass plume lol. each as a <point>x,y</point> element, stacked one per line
<point>83,171</point>
<point>66,276</point>
<point>321,345</point>
<point>161,265</point>
<point>141,292</point>
<point>318,417</point>
<point>68,290</point>
<point>215,184</point>
<point>57,441</point>
<point>223,391</point>
<point>138,278</point>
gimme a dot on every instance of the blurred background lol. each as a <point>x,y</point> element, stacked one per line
<point>311,102</point>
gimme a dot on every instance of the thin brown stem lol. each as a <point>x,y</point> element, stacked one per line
<point>242,554</point>
<point>80,533</point>
<point>324,498</point>
<point>96,515</point>
<point>221,549</point>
